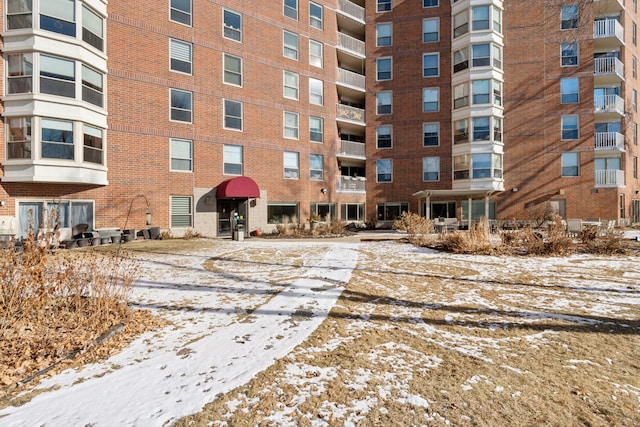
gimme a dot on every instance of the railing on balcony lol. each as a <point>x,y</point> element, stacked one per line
<point>350,78</point>
<point>604,66</point>
<point>352,114</point>
<point>352,149</point>
<point>609,103</point>
<point>351,9</point>
<point>351,43</point>
<point>352,184</point>
<point>608,28</point>
<point>609,178</point>
<point>609,141</point>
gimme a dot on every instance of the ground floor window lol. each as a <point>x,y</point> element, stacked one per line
<point>477,209</point>
<point>324,210</point>
<point>36,215</point>
<point>181,211</point>
<point>279,213</point>
<point>352,211</point>
<point>391,211</point>
<point>443,210</point>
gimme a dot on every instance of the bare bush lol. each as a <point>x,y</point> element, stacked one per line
<point>475,241</point>
<point>418,228</point>
<point>608,242</point>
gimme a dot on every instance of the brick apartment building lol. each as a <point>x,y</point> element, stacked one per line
<point>191,110</point>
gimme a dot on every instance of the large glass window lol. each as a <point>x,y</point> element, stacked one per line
<point>291,125</point>
<point>384,170</point>
<point>461,60</point>
<point>181,154</point>
<point>461,131</point>
<point>383,136</point>
<point>181,11</point>
<point>480,91</point>
<point>352,211</point>
<point>58,16</point>
<point>569,127</point>
<point>232,159</point>
<point>481,163</point>
<point>430,99</point>
<point>316,129</point>
<point>18,137</point>
<point>278,213</point>
<point>316,167</point>
<point>57,76</point>
<point>92,91</point>
<point>430,134</point>
<point>480,18</point>
<point>92,28</point>
<point>316,54</point>
<point>383,34</point>
<point>460,95</point>
<point>481,56</point>
<point>481,128</point>
<point>291,164</point>
<point>391,211</point>
<point>383,5</point>
<point>569,17</point>
<point>571,164</point>
<point>291,9</point>
<point>232,23</point>
<point>57,139</point>
<point>291,85</point>
<point>569,90</point>
<point>383,68</point>
<point>232,70</point>
<point>431,169</point>
<point>93,144</point>
<point>430,30</point>
<point>290,45</point>
<point>383,103</point>
<point>20,73</point>
<point>181,105</point>
<point>430,65</point>
<point>316,91</point>
<point>325,211</point>
<point>19,14</point>
<point>181,211</point>
<point>233,114</point>
<point>315,15</point>
<point>461,24</point>
<point>180,54</point>
<point>461,165</point>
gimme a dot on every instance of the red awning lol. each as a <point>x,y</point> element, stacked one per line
<point>241,187</point>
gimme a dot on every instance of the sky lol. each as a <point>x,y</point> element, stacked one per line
<point>234,308</point>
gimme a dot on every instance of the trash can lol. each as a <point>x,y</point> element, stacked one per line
<point>240,232</point>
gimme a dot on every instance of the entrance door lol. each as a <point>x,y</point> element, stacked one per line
<point>225,207</point>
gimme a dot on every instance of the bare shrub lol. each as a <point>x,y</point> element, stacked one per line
<point>608,243</point>
<point>190,234</point>
<point>290,227</point>
<point>418,228</point>
<point>539,213</point>
<point>165,235</point>
<point>552,242</point>
<point>475,241</point>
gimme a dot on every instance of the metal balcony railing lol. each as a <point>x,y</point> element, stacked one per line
<point>352,184</point>
<point>608,28</point>
<point>604,66</point>
<point>608,103</point>
<point>352,114</point>
<point>351,44</point>
<point>351,9</point>
<point>350,78</point>
<point>609,178</point>
<point>609,141</point>
<point>352,149</point>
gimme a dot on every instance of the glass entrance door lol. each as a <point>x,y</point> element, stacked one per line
<point>225,209</point>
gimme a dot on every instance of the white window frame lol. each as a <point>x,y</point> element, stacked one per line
<point>232,157</point>
<point>437,67</point>
<point>290,131</point>
<point>187,214</point>
<point>313,131</point>
<point>430,165</point>
<point>316,21</point>
<point>381,103</point>
<point>316,54</point>
<point>178,109</point>
<point>316,174</point>
<point>427,129</point>
<point>227,71</point>
<point>316,91</point>
<point>290,9</point>
<point>425,23</point>
<point>289,50</point>
<point>178,154</point>
<point>226,116</point>
<point>291,164</point>
<point>382,60</point>
<point>174,13</point>
<point>426,91</point>
<point>384,37</point>
<point>379,173</point>
<point>380,134</point>
<point>290,85</point>
<point>229,32</point>
<point>181,52</point>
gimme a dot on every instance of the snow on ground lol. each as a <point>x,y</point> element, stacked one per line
<point>236,307</point>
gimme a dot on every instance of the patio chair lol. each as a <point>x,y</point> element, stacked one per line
<point>574,227</point>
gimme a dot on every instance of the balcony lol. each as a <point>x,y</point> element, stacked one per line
<point>608,33</point>
<point>608,104</point>
<point>348,184</point>
<point>606,7</point>
<point>351,44</point>
<point>608,71</point>
<point>351,79</point>
<point>352,10</point>
<point>609,178</point>
<point>350,149</point>
<point>609,141</point>
<point>350,114</point>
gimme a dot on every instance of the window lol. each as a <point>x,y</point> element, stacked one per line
<point>634,33</point>
<point>316,129</point>
<point>634,67</point>
<point>391,211</point>
<point>431,169</point>
<point>383,170</point>
<point>430,134</point>
<point>383,103</point>
<point>384,137</point>
<point>460,24</point>
<point>352,211</point>
<point>383,34</point>
<point>497,165</point>
<point>181,154</point>
<point>18,138</point>
<point>481,129</point>
<point>481,56</point>
<point>634,100</point>
<point>181,11</point>
<point>232,70</point>
<point>290,45</point>
<point>383,5</point>
<point>57,139</point>
<point>430,100</point>
<point>316,167</point>
<point>478,210</point>
<point>19,14</point>
<point>461,167</point>
<point>461,59</point>
<point>383,68</point>
<point>497,56</point>
<point>570,164</point>
<point>481,163</point>
<point>93,150</point>
<point>232,24</point>
<point>181,105</point>
<point>497,92</point>
<point>291,125</point>
<point>233,114</point>
<point>497,20</point>
<point>480,93</point>
<point>278,213</point>
<point>181,211</point>
<point>569,17</point>
<point>461,131</point>
<point>315,53</point>
<point>326,211</point>
<point>232,159</point>
<point>58,16</point>
<point>316,91</point>
<point>315,15</point>
<point>569,126</point>
<point>635,134</point>
<point>480,18</point>
<point>57,76</point>
<point>569,90</point>
<point>20,75</point>
<point>180,54</point>
<point>290,84</point>
<point>291,9</point>
<point>291,165</point>
<point>497,129</point>
<point>430,30</point>
<point>92,86</point>
<point>430,65</point>
<point>92,28</point>
<point>460,95</point>
<point>429,3</point>
<point>569,54</point>
<point>635,167</point>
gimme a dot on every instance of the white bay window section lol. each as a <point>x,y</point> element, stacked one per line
<point>57,76</point>
<point>57,139</point>
<point>93,147</point>
<point>58,16</point>
<point>19,14</point>
<point>20,73</point>
<point>92,28</point>
<point>92,91</point>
